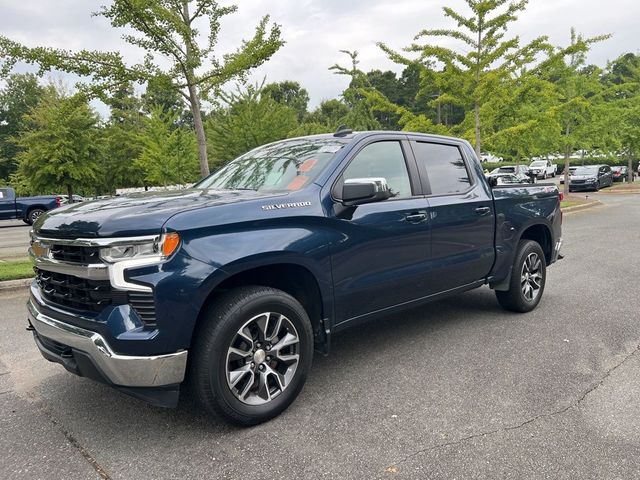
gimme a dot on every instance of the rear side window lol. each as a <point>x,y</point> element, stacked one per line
<point>4,194</point>
<point>444,166</point>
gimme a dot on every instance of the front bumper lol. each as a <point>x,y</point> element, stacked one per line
<point>87,353</point>
<point>582,187</point>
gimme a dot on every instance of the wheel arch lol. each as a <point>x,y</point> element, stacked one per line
<point>294,278</point>
<point>541,234</point>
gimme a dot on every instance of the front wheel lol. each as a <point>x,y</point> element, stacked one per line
<point>252,355</point>
<point>527,279</point>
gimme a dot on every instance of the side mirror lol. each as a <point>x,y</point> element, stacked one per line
<point>493,181</point>
<point>358,191</point>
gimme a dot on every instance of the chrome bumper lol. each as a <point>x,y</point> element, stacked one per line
<point>120,370</point>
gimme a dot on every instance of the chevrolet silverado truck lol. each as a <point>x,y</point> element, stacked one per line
<point>28,209</point>
<point>229,287</point>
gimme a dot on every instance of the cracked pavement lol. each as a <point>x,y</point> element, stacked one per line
<point>456,389</point>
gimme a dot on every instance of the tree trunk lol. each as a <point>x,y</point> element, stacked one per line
<point>194,101</point>
<point>70,192</point>
<point>566,173</point>
<point>476,113</point>
<point>200,135</point>
<point>629,168</point>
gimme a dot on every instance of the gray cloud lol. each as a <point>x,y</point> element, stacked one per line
<point>316,29</point>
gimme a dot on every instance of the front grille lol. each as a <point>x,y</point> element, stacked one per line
<point>578,182</point>
<point>86,295</point>
<point>75,254</point>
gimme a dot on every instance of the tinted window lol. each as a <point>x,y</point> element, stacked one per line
<point>4,194</point>
<point>444,167</point>
<point>382,160</point>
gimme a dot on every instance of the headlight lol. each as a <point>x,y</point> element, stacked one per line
<point>159,249</point>
<point>592,180</point>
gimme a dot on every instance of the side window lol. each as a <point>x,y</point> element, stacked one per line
<point>3,194</point>
<point>382,160</point>
<point>444,166</point>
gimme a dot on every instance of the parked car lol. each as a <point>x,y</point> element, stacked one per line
<point>28,209</point>
<point>619,173</point>
<point>590,177</point>
<point>76,198</point>
<point>507,179</point>
<point>543,169</point>
<point>232,283</point>
<point>571,170</point>
<point>522,172</point>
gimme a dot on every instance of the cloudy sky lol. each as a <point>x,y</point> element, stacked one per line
<point>315,30</point>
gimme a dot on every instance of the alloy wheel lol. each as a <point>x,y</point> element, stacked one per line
<point>531,277</point>
<point>263,358</point>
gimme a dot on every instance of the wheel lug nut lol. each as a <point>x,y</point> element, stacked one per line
<point>268,359</point>
<point>268,347</point>
<point>258,345</point>
<point>253,365</point>
<point>261,367</point>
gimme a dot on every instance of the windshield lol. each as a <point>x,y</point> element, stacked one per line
<point>539,164</point>
<point>506,169</point>
<point>283,166</point>
<point>586,171</point>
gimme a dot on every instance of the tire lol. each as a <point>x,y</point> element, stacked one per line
<point>260,390</point>
<point>33,215</point>
<point>515,299</point>
<point>544,176</point>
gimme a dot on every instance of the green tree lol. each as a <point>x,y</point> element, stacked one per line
<point>159,91</point>
<point>247,120</point>
<point>360,115</point>
<point>20,94</point>
<point>330,113</point>
<point>122,145</point>
<point>169,32</point>
<point>60,143</point>
<point>169,153</point>
<point>579,91</point>
<point>290,94</point>
<point>483,61</point>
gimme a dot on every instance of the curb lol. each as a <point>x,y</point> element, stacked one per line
<point>577,208</point>
<point>620,192</point>
<point>10,285</point>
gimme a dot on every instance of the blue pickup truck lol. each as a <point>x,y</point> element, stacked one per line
<point>27,209</point>
<point>230,286</point>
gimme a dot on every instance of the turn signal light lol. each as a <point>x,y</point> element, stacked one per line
<point>170,243</point>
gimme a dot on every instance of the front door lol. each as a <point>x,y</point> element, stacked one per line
<point>379,253</point>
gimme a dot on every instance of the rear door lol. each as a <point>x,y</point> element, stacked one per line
<point>461,214</point>
<point>379,254</point>
<point>7,204</point>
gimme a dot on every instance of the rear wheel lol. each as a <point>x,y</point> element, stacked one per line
<point>527,279</point>
<point>251,355</point>
<point>33,215</point>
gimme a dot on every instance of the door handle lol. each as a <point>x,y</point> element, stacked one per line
<point>416,217</point>
<point>483,210</point>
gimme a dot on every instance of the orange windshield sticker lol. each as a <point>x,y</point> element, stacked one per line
<point>297,183</point>
<point>307,165</point>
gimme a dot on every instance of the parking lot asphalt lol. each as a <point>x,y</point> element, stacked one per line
<point>14,239</point>
<point>456,389</point>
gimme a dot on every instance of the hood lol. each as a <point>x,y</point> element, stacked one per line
<point>135,214</point>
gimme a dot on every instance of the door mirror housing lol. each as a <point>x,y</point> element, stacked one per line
<point>493,181</point>
<point>358,191</point>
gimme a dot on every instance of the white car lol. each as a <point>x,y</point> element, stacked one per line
<point>543,169</point>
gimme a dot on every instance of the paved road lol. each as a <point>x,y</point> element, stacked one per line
<point>14,239</point>
<point>459,389</point>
